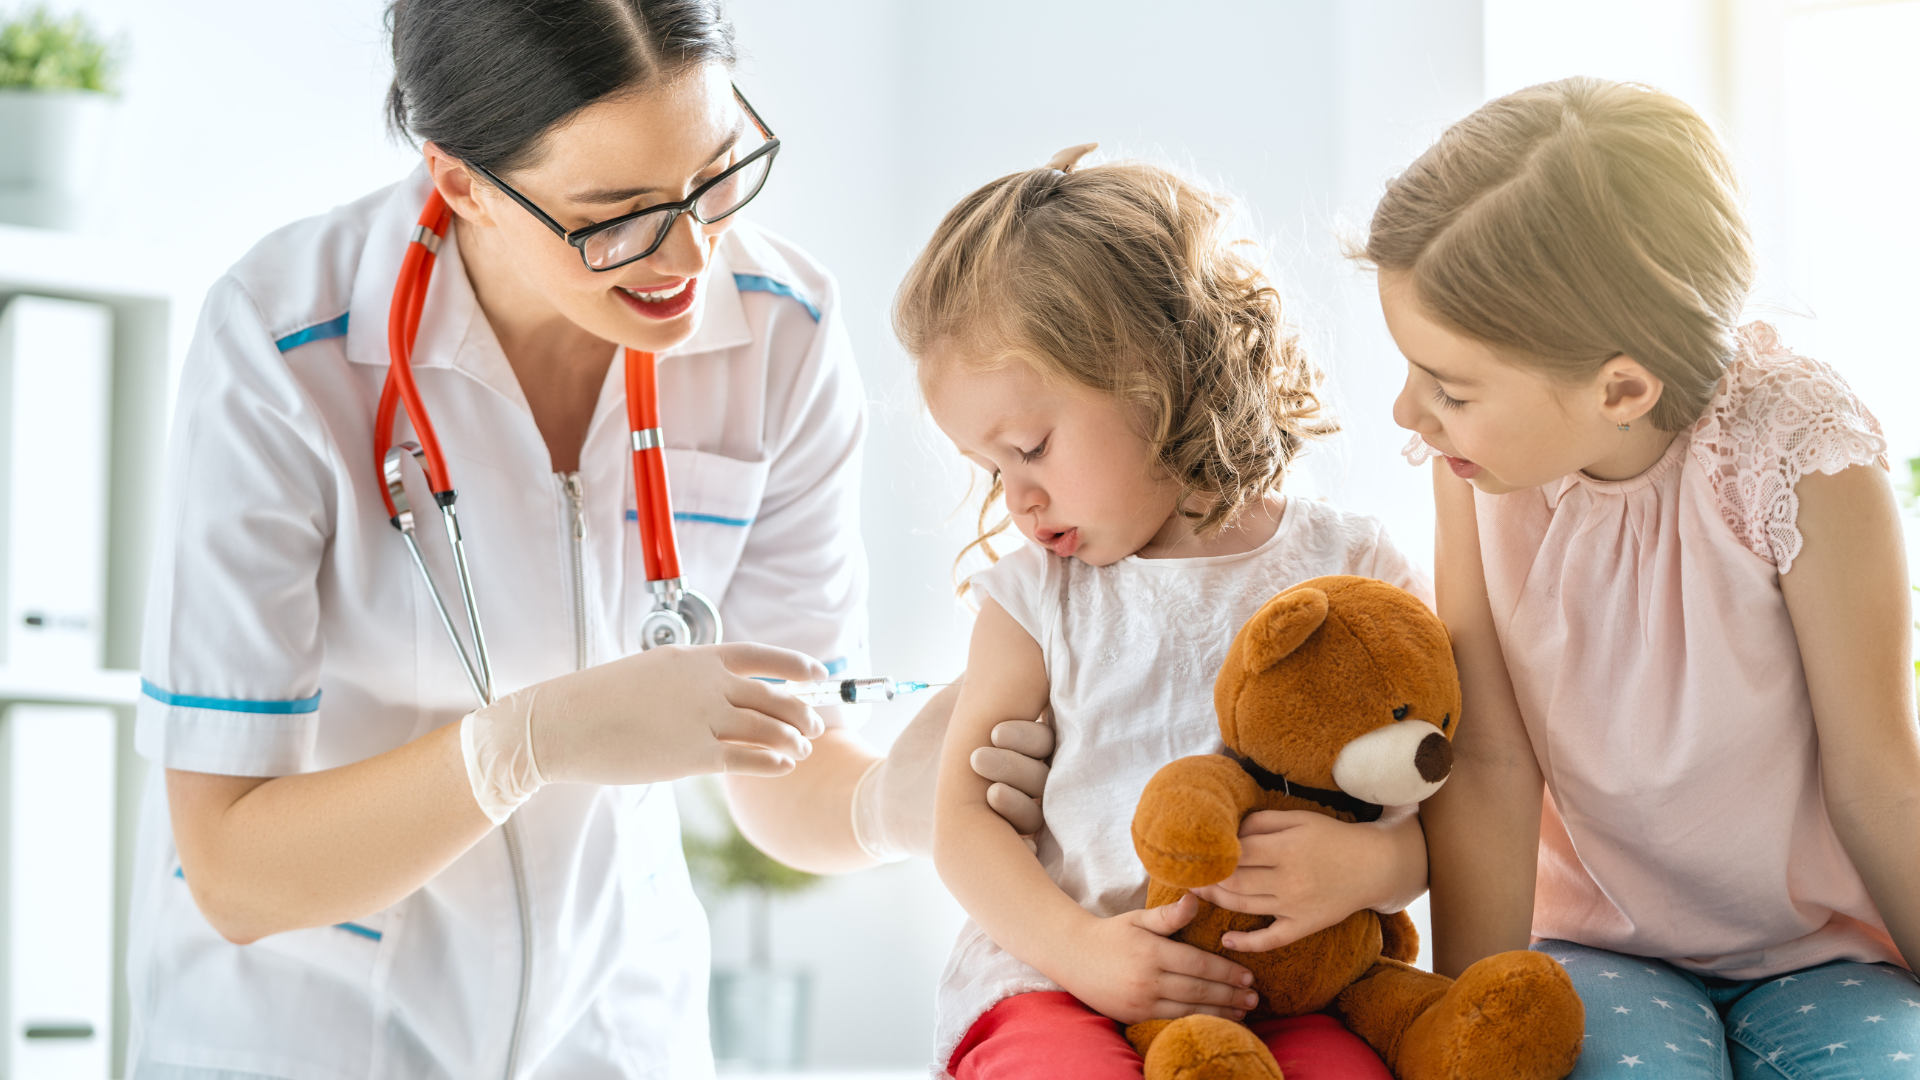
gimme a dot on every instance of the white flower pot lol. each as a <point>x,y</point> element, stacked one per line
<point>51,144</point>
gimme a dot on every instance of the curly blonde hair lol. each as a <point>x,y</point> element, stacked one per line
<point>1575,221</point>
<point>1122,278</point>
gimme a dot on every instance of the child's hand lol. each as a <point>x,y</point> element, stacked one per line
<point>1124,967</point>
<point>1310,871</point>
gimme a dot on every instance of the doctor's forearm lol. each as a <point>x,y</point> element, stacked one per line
<point>266,856</point>
<point>805,818</point>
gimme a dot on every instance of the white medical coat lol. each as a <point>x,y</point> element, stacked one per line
<point>287,631</point>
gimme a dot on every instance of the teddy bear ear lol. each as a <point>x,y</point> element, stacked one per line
<point>1282,625</point>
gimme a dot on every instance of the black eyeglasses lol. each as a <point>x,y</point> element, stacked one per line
<point>612,244</point>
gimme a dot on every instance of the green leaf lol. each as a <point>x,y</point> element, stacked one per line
<point>41,52</point>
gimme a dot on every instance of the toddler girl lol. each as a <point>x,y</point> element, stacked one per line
<point>1669,556</point>
<point>1093,340</point>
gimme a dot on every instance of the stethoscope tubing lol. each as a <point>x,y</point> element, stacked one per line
<point>681,616</point>
<point>403,328</point>
<point>659,551</point>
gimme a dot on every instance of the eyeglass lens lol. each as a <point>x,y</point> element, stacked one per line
<point>639,236</point>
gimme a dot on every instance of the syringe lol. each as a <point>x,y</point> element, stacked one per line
<point>869,691</point>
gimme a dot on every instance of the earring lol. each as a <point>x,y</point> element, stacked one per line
<point>1624,427</point>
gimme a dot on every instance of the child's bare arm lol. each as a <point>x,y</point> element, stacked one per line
<point>1483,827</point>
<point>1852,610</point>
<point>1123,967</point>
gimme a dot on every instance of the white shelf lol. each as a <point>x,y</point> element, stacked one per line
<point>104,687</point>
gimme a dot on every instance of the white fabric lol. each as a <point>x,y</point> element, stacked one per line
<point>278,577</point>
<point>1131,651</point>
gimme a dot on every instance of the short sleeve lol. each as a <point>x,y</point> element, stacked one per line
<point>1018,583</point>
<point>231,656</point>
<point>1775,418</point>
<point>801,582</point>
<point>1389,564</point>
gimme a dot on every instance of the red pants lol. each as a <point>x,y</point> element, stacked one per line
<point>1043,1036</point>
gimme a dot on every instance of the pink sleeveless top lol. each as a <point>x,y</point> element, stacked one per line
<point>1660,682</point>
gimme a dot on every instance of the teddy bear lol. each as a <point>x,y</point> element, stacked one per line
<point>1340,697</point>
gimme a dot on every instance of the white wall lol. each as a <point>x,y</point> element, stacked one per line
<point>239,117</point>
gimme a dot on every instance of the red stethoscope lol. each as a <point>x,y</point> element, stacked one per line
<point>680,616</point>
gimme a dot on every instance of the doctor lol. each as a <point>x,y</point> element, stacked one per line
<point>350,871</point>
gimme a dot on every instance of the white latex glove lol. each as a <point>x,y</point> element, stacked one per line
<point>893,802</point>
<point>658,715</point>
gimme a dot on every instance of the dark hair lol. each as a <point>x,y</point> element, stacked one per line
<point>485,79</point>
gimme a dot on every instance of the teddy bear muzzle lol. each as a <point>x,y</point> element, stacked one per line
<point>1396,765</point>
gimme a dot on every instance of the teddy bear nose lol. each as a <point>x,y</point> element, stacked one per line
<point>1396,764</point>
<point>1434,758</point>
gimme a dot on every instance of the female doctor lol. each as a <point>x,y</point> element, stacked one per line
<point>351,870</point>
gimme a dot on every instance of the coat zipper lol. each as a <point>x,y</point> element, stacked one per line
<point>577,509</point>
<point>576,502</point>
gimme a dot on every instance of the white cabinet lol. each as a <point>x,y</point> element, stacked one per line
<point>72,781</point>
<point>56,909</point>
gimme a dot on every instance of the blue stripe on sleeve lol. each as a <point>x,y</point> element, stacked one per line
<point>710,519</point>
<point>240,705</point>
<point>332,328</point>
<point>762,283</point>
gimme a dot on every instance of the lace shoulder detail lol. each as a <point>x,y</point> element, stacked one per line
<point>1775,418</point>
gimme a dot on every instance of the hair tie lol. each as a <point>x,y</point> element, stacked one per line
<point>1065,160</point>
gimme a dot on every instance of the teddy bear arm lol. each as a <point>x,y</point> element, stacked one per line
<point>1186,828</point>
<point>1399,938</point>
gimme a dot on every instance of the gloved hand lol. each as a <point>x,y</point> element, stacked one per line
<point>893,802</point>
<point>656,715</point>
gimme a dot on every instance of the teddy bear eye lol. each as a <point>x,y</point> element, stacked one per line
<point>1401,712</point>
<point>1445,720</point>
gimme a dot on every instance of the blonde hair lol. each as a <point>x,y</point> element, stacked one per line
<point>1575,221</point>
<point>1120,278</point>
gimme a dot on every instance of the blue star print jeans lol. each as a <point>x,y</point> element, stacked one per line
<point>1649,1020</point>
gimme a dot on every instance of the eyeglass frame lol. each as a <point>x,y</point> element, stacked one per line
<point>578,237</point>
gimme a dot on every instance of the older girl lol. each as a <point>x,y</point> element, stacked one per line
<point>1669,555</point>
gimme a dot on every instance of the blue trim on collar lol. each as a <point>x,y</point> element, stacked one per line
<point>762,283</point>
<point>709,519</point>
<point>332,328</point>
<point>239,705</point>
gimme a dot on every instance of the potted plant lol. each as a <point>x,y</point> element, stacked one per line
<point>758,1013</point>
<point>56,85</point>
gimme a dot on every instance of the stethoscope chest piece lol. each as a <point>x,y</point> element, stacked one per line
<point>688,619</point>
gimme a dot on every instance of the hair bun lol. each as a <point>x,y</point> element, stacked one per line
<point>1066,159</point>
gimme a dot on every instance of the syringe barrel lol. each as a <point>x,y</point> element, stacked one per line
<point>842,691</point>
